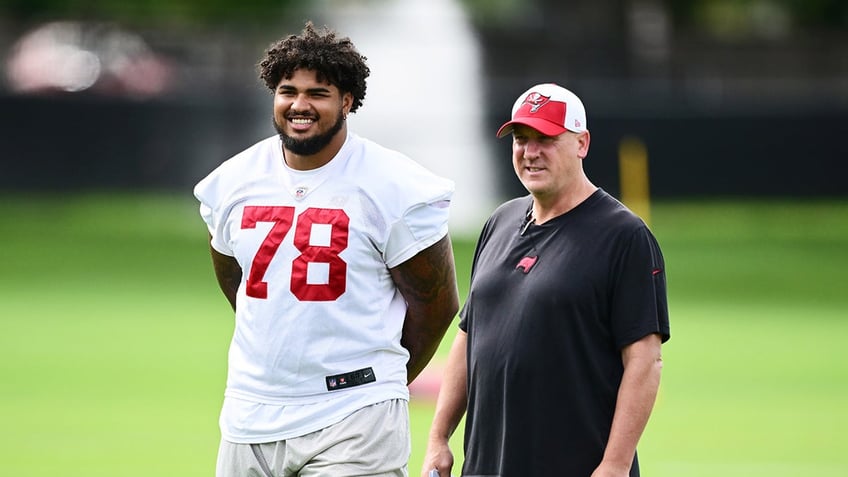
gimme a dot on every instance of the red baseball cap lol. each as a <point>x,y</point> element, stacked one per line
<point>549,109</point>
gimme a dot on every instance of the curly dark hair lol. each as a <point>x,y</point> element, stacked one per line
<point>334,60</point>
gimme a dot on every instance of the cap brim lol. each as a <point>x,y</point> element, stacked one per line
<point>542,125</point>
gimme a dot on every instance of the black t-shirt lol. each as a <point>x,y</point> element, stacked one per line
<point>549,310</point>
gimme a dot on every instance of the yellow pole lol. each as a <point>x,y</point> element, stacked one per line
<point>633,168</point>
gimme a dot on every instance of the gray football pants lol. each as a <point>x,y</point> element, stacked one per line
<point>373,441</point>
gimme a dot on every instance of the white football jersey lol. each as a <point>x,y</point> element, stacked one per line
<point>318,318</point>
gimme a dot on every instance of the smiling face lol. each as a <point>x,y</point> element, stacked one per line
<point>310,116</point>
<point>549,166</point>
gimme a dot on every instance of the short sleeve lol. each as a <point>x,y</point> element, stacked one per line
<point>640,304</point>
<point>206,191</point>
<point>421,226</point>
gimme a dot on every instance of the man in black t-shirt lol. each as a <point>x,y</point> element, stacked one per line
<point>558,357</point>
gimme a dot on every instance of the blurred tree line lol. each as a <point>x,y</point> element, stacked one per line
<point>827,14</point>
<point>698,14</point>
<point>145,12</point>
<point>804,13</point>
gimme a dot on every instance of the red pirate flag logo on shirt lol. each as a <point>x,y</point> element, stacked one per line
<point>526,263</point>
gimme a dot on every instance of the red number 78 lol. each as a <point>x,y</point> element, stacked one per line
<point>282,218</point>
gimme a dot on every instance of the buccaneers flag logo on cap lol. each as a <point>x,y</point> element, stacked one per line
<point>536,101</point>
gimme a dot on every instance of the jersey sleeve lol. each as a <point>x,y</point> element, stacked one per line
<point>209,192</point>
<point>423,220</point>
<point>421,226</point>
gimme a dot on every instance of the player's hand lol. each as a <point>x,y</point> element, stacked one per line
<point>438,457</point>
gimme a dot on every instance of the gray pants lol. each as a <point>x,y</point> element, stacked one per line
<point>373,441</point>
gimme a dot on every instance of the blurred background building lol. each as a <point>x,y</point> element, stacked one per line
<point>729,97</point>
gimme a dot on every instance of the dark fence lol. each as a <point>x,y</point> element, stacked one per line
<point>74,142</point>
<point>65,143</point>
<point>798,154</point>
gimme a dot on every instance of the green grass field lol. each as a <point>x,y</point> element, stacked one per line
<point>114,340</point>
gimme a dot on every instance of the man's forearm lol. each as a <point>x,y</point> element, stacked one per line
<point>423,331</point>
<point>453,392</point>
<point>636,396</point>
<point>427,282</point>
<point>450,407</point>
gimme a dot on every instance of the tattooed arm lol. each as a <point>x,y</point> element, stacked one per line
<point>427,282</point>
